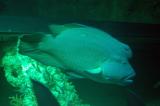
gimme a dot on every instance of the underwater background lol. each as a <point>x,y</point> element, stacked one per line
<point>134,22</point>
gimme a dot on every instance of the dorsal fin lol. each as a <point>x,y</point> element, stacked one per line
<point>57,29</point>
<point>74,25</point>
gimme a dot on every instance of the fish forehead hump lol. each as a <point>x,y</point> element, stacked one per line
<point>86,48</point>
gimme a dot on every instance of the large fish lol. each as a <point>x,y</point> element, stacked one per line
<point>84,51</point>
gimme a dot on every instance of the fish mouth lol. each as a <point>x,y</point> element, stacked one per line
<point>130,77</point>
<point>128,80</point>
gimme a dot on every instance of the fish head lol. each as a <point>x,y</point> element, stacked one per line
<point>117,72</point>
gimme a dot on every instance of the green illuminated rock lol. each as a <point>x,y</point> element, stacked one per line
<point>19,69</point>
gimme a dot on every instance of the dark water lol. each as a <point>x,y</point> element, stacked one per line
<point>144,40</point>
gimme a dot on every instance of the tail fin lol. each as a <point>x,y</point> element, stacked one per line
<point>33,38</point>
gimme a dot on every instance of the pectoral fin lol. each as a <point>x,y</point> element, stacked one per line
<point>72,75</point>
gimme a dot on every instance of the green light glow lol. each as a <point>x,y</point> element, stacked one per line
<point>19,69</point>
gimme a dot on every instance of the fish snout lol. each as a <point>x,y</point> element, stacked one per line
<point>119,73</point>
<point>127,80</point>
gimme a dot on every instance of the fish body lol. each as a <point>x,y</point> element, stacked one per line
<point>85,50</point>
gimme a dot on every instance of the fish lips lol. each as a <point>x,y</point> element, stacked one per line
<point>118,72</point>
<point>128,80</point>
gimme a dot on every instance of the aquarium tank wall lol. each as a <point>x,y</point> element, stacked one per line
<point>146,11</point>
<point>79,52</point>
